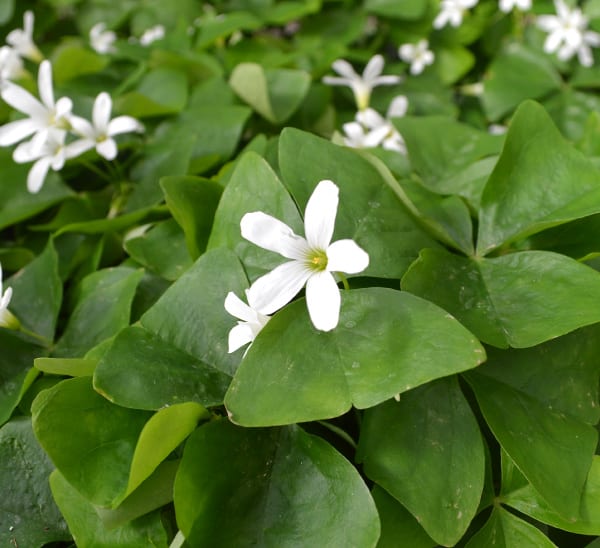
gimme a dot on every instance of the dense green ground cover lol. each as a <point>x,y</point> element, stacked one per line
<point>315,273</point>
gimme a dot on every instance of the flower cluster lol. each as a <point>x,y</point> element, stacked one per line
<point>19,46</point>
<point>312,261</point>
<point>56,133</point>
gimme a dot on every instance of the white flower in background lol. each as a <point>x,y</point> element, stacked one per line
<point>99,134</point>
<point>508,5</point>
<point>250,321</point>
<point>497,129</point>
<point>380,126</point>
<point>22,39</point>
<point>418,55</point>
<point>46,152</point>
<point>361,85</point>
<point>313,259</point>
<point>152,34</point>
<point>11,64</point>
<point>568,35</point>
<point>5,316</point>
<point>102,40</point>
<point>357,136</point>
<point>43,116</point>
<point>452,12</point>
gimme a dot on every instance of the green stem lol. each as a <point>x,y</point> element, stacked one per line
<point>96,170</point>
<point>344,281</point>
<point>341,433</point>
<point>45,342</point>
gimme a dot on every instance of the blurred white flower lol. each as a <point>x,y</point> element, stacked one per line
<point>356,135</point>
<point>250,321</point>
<point>42,116</point>
<point>508,5</point>
<point>6,318</point>
<point>11,64</point>
<point>22,39</point>
<point>361,85</point>
<point>418,55</point>
<point>47,152</point>
<point>99,134</point>
<point>452,12</point>
<point>102,40</point>
<point>313,259</point>
<point>371,129</point>
<point>568,35</point>
<point>157,32</point>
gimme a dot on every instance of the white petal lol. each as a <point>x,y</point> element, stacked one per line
<point>320,213</point>
<point>345,69</point>
<point>346,256</point>
<point>82,127</point>
<point>238,308</point>
<point>63,107</point>
<point>101,112</point>
<point>270,233</point>
<point>240,335</point>
<point>21,100</point>
<point>78,147</point>
<point>386,80</point>
<point>37,174</point>
<point>407,52</point>
<point>373,68</point>
<point>123,124</point>
<point>16,131</point>
<point>277,288</point>
<point>45,87</point>
<point>4,302</point>
<point>375,136</point>
<point>107,149</point>
<point>370,118</point>
<point>24,153</point>
<point>398,107</point>
<point>323,301</point>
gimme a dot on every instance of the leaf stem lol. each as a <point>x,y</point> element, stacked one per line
<point>344,280</point>
<point>341,433</point>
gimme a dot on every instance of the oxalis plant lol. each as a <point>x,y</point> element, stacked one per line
<point>299,274</point>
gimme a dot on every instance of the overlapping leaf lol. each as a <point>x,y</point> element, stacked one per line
<point>386,342</point>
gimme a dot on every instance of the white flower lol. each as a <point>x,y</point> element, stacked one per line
<point>361,85</point>
<point>99,134</point>
<point>46,151</point>
<point>5,316</point>
<point>381,127</point>
<point>568,35</point>
<point>43,116</point>
<point>22,39</point>
<point>452,11</point>
<point>313,259</point>
<point>508,5</point>
<point>102,40</point>
<point>356,135</point>
<point>250,324</point>
<point>11,64</point>
<point>418,55</point>
<point>152,34</point>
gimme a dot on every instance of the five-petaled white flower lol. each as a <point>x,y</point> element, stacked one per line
<point>102,40</point>
<point>568,35</point>
<point>43,116</point>
<point>361,85</point>
<point>22,39</point>
<point>5,315</point>
<point>250,324</point>
<point>99,134</point>
<point>313,259</point>
<point>157,32</point>
<point>418,55</point>
<point>508,5</point>
<point>46,151</point>
<point>452,11</point>
<point>381,129</point>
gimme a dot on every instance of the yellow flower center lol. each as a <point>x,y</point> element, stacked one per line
<point>317,260</point>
